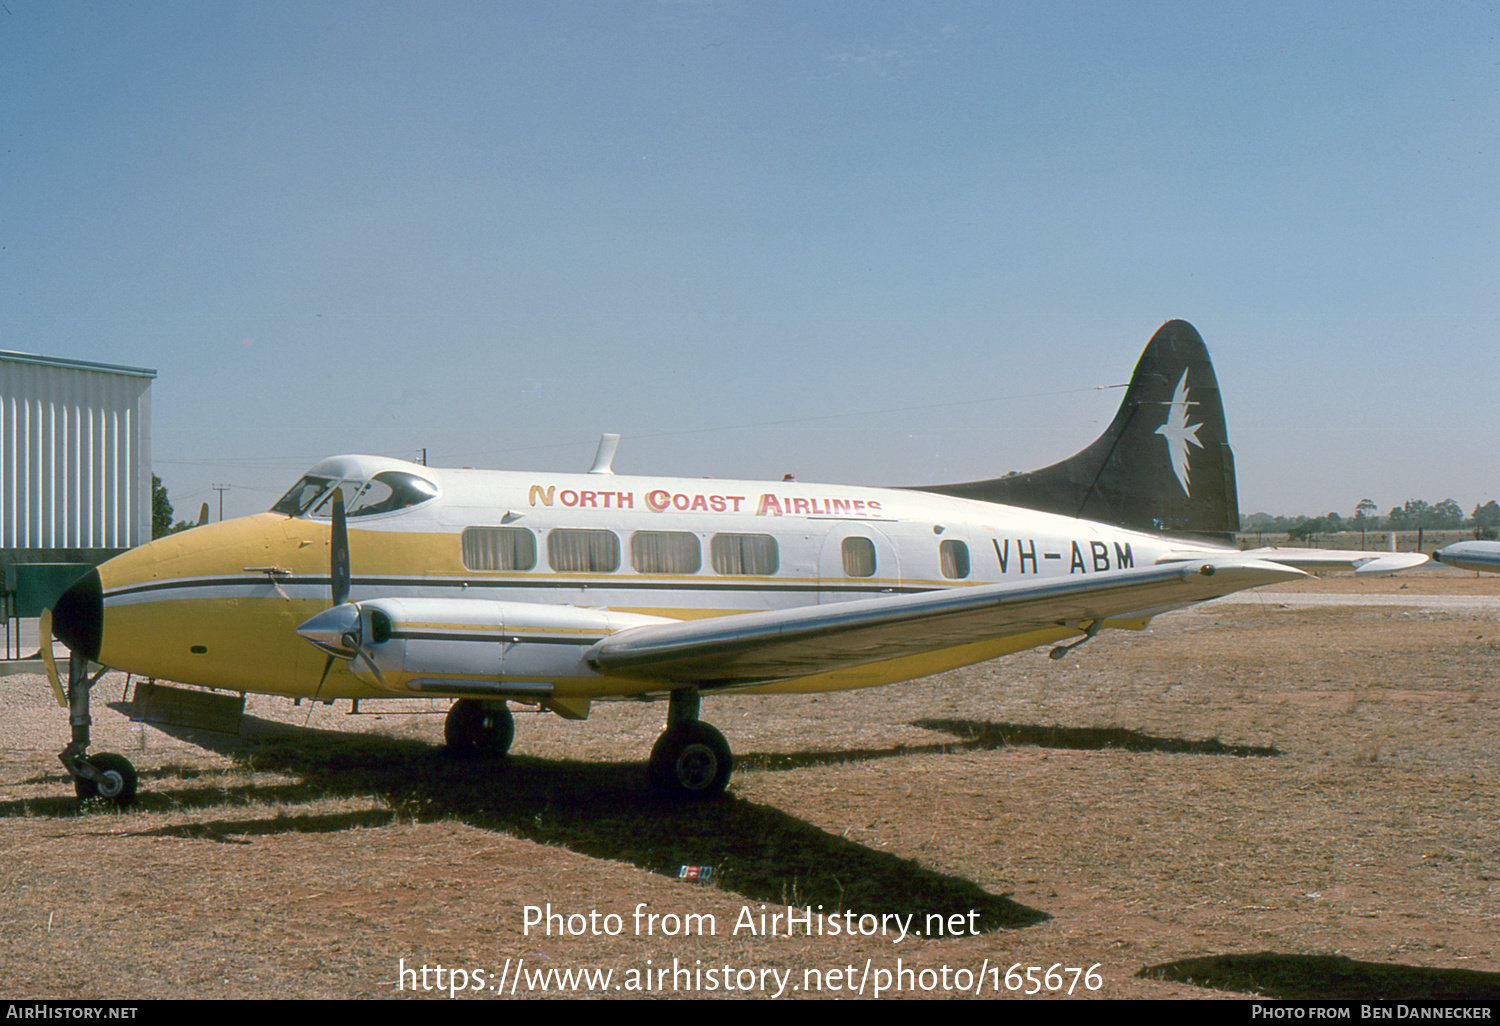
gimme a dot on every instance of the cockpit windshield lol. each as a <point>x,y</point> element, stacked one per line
<point>386,492</point>
<point>303,494</point>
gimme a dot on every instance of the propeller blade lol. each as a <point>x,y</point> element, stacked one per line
<point>336,630</point>
<point>360,653</point>
<point>340,570</point>
<point>327,665</point>
<point>45,629</point>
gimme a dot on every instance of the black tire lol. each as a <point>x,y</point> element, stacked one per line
<point>119,784</point>
<point>479,728</point>
<point>691,762</point>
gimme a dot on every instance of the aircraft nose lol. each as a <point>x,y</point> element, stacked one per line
<point>78,616</point>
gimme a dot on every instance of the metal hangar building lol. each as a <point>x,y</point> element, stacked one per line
<point>75,460</point>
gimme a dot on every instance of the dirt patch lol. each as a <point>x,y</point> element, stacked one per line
<point>1239,796</point>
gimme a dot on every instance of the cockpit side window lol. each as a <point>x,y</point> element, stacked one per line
<point>389,491</point>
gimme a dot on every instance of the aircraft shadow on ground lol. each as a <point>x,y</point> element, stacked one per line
<point>974,735</point>
<point>1327,978</point>
<point>984,735</point>
<point>603,810</point>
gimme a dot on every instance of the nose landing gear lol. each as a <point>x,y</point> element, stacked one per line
<point>106,775</point>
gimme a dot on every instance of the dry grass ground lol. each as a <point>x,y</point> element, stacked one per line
<point>1318,784</point>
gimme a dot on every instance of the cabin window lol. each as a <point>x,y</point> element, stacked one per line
<point>665,552</point>
<point>573,551</point>
<point>954,557</point>
<point>745,554</point>
<point>859,557</point>
<point>499,548</point>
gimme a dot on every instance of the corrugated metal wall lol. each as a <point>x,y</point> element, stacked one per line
<point>75,454</point>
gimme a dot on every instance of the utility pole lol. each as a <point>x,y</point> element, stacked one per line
<point>221,489</point>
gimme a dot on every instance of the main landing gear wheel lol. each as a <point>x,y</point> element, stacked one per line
<point>479,728</point>
<point>117,779</point>
<point>691,761</point>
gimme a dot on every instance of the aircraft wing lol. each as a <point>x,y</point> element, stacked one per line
<point>764,646</point>
<point>1314,560</point>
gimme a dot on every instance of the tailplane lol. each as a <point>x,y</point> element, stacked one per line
<point>1163,465</point>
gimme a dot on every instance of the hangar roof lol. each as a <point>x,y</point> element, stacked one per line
<point>56,361</point>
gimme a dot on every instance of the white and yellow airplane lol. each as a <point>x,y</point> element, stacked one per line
<point>374,578</point>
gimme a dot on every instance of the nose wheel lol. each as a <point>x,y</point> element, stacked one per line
<point>116,783</point>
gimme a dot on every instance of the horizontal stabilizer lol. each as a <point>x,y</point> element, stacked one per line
<point>1314,560</point>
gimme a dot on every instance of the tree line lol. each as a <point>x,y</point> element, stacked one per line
<point>1415,515</point>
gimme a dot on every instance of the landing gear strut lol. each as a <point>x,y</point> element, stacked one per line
<point>691,760</point>
<point>477,727</point>
<point>105,775</point>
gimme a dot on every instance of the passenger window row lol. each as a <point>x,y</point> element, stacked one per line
<point>571,550</point>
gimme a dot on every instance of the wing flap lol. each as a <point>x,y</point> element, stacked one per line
<point>765,646</point>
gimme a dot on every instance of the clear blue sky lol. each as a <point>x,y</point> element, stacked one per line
<point>882,243</point>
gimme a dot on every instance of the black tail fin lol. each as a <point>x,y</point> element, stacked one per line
<point>1163,465</point>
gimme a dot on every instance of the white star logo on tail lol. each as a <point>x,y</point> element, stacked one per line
<point>1179,433</point>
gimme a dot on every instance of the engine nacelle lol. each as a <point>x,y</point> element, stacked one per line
<point>465,645</point>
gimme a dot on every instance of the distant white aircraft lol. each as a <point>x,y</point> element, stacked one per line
<point>1471,555</point>
<point>375,578</point>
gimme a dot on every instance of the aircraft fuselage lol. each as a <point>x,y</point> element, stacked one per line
<point>1471,555</point>
<point>540,566</point>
